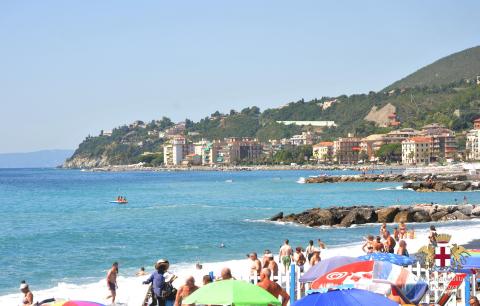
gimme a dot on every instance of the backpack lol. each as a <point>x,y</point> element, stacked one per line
<point>168,292</point>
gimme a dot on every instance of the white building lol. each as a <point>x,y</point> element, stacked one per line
<point>472,148</point>
<point>416,150</point>
<point>175,151</point>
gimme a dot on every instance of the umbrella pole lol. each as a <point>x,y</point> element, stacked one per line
<point>292,284</point>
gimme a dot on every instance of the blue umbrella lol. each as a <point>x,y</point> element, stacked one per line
<point>354,297</point>
<point>325,266</point>
<point>389,257</point>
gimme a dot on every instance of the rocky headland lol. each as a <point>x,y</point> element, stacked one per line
<point>346,216</point>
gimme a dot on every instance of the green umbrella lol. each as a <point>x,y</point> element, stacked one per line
<point>231,292</point>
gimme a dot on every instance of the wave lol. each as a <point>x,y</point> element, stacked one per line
<point>391,188</point>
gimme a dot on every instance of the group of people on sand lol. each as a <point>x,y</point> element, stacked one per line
<point>386,243</point>
<point>286,256</point>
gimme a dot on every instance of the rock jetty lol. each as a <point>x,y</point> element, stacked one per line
<point>344,216</point>
<point>383,178</point>
<point>446,186</point>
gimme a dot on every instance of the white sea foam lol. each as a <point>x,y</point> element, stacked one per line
<point>391,188</point>
<point>131,290</point>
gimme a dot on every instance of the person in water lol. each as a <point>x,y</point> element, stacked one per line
<point>141,272</point>
<point>185,291</point>
<point>27,294</point>
<point>112,281</point>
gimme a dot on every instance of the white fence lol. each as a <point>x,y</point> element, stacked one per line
<point>438,282</point>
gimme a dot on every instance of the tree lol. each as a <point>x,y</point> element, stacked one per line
<point>391,152</point>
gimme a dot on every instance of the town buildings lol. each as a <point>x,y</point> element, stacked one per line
<point>323,151</point>
<point>346,150</point>
<point>416,150</point>
<point>472,146</point>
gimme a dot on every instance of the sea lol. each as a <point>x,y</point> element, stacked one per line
<point>60,233</point>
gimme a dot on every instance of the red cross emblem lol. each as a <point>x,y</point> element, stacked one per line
<point>442,256</point>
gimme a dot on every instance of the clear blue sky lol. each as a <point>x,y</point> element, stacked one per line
<point>70,68</point>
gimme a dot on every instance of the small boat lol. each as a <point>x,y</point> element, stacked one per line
<point>119,202</point>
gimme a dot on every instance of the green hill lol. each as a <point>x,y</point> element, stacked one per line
<point>457,66</point>
<point>445,98</point>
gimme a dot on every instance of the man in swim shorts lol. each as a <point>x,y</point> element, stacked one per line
<point>285,254</point>
<point>112,281</point>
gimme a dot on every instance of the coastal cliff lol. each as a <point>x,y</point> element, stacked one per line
<point>346,216</point>
<point>86,162</point>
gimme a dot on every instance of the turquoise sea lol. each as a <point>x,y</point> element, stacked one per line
<point>58,225</point>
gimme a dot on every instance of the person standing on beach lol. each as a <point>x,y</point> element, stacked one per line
<point>158,283</point>
<point>389,242</point>
<point>112,281</point>
<point>299,258</point>
<point>378,246</point>
<point>432,237</point>
<point>315,258</point>
<point>402,248</point>
<point>256,265</point>
<point>226,274</point>
<point>272,287</point>
<point>368,246</point>
<point>27,294</point>
<point>285,255</point>
<point>309,250</point>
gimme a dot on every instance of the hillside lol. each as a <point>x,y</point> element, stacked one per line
<point>461,65</point>
<point>414,107</point>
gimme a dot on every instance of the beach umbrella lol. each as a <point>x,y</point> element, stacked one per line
<point>76,303</point>
<point>472,261</point>
<point>325,266</point>
<point>389,257</point>
<point>353,297</point>
<point>376,276</point>
<point>231,292</point>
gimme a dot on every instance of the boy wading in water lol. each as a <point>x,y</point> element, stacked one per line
<point>112,281</point>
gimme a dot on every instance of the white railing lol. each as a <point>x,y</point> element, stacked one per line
<point>437,283</point>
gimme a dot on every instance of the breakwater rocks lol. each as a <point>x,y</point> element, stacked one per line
<point>383,178</point>
<point>344,216</point>
<point>446,186</point>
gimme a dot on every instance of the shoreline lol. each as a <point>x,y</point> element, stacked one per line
<point>140,168</point>
<point>131,290</point>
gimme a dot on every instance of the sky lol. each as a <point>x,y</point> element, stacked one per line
<point>72,68</point>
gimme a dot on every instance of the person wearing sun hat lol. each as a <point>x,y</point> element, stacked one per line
<point>27,294</point>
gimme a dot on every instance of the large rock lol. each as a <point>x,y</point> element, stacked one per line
<point>277,217</point>
<point>438,215</point>
<point>359,216</point>
<point>421,216</point>
<point>465,209</point>
<point>323,217</point>
<point>404,216</point>
<point>476,211</point>
<point>387,214</point>
<point>456,215</point>
<point>458,185</point>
